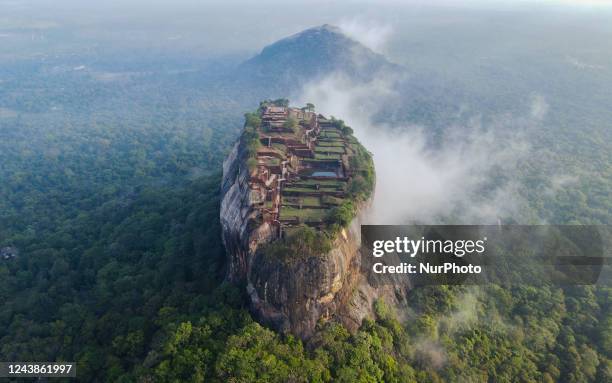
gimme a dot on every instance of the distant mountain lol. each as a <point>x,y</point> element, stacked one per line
<point>310,54</point>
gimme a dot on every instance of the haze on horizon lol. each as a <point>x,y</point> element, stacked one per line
<point>217,28</point>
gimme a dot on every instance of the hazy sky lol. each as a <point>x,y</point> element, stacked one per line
<point>238,26</point>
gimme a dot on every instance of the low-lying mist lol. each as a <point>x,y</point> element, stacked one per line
<point>464,177</point>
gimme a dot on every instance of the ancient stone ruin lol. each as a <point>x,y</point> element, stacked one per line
<point>295,188</point>
<point>301,172</point>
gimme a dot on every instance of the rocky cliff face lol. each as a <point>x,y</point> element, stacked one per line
<point>241,235</point>
<point>297,294</point>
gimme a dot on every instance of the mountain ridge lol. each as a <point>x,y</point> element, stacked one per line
<point>309,54</point>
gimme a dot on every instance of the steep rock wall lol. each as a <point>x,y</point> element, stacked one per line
<point>241,233</point>
<point>294,296</point>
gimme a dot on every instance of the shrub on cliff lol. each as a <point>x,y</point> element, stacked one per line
<point>302,242</point>
<point>362,183</point>
<point>358,186</point>
<point>283,102</point>
<point>251,142</point>
<point>292,124</point>
<point>341,215</point>
<point>252,120</point>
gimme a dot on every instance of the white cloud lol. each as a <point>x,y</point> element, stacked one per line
<point>415,181</point>
<point>368,33</point>
<point>539,107</point>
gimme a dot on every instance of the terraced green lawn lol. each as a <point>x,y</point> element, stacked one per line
<point>306,215</point>
<point>329,200</point>
<point>313,160</point>
<point>320,182</point>
<point>330,134</point>
<point>291,191</point>
<point>331,185</point>
<point>294,190</point>
<point>329,149</point>
<point>330,143</point>
<point>304,200</point>
<point>271,161</point>
<point>320,156</point>
<point>280,146</point>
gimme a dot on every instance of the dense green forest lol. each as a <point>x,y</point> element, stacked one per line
<point>130,285</point>
<point>134,291</point>
<point>109,189</point>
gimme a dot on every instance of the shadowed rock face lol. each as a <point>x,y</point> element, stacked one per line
<point>295,296</point>
<point>296,293</point>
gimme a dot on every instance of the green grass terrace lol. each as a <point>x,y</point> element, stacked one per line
<point>303,215</point>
